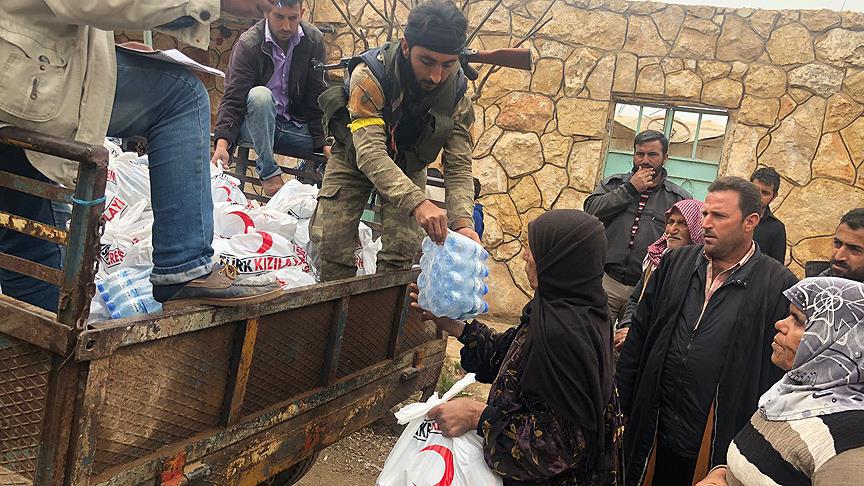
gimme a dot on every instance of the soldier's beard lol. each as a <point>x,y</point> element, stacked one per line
<point>406,72</point>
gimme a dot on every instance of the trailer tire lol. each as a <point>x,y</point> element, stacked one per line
<point>293,473</point>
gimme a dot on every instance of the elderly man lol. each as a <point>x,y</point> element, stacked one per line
<point>697,357</point>
<point>847,258</point>
<point>632,207</point>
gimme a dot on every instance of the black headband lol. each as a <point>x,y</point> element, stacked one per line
<point>435,38</point>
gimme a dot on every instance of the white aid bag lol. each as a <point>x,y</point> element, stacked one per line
<point>260,252</point>
<point>231,219</point>
<point>128,183</point>
<point>127,240</point>
<point>366,253</point>
<point>295,198</point>
<point>424,457</point>
<point>225,188</point>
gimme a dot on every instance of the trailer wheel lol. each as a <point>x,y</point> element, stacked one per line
<point>293,473</point>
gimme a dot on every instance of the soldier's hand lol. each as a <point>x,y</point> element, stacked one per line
<point>433,220</point>
<point>247,9</point>
<point>643,179</point>
<point>470,233</point>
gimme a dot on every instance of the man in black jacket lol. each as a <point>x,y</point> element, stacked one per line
<point>847,258</point>
<point>271,92</point>
<point>770,234</point>
<point>698,355</point>
<point>632,207</point>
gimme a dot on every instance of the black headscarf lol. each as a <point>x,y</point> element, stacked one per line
<point>568,350</point>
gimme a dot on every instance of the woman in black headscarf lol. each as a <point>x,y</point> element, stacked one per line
<point>552,415</point>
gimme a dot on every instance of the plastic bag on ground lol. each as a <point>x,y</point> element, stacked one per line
<point>424,457</point>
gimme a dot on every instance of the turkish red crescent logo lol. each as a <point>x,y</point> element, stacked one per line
<point>266,242</point>
<point>449,470</point>
<point>247,221</point>
<point>228,191</point>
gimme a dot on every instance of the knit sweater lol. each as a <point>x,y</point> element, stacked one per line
<point>823,450</point>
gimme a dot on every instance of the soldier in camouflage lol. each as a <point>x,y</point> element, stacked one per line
<point>404,104</point>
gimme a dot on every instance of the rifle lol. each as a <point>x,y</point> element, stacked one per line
<point>509,57</point>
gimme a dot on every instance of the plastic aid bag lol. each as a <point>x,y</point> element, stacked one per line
<point>452,277</point>
<point>366,253</point>
<point>424,457</point>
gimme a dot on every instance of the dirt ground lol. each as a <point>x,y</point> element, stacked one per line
<point>357,459</point>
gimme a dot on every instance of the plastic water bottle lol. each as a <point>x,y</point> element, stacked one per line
<point>452,277</point>
<point>128,292</point>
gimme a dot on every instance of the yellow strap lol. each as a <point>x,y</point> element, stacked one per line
<point>364,122</point>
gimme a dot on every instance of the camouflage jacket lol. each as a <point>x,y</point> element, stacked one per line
<point>365,106</point>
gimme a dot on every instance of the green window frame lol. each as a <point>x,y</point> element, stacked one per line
<point>693,170</point>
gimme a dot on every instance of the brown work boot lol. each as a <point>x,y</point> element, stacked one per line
<point>272,185</point>
<point>221,288</point>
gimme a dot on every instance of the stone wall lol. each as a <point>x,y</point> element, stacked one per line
<point>792,82</point>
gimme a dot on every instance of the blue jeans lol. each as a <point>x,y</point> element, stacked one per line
<point>169,106</point>
<point>265,132</point>
<point>13,284</point>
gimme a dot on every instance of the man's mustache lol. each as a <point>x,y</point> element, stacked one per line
<point>842,265</point>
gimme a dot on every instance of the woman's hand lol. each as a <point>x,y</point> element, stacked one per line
<point>458,416</point>
<point>451,326</point>
<point>620,337</point>
<point>717,477</point>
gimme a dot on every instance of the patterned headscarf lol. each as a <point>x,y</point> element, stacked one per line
<point>691,209</point>
<point>826,375</point>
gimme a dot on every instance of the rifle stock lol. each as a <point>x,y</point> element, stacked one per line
<point>509,57</point>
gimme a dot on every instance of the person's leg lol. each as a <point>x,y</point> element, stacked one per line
<point>289,137</point>
<point>21,287</point>
<point>259,129</point>
<point>400,233</point>
<point>170,107</point>
<point>333,229</point>
<point>671,469</point>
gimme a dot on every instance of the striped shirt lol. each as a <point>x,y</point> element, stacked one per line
<point>823,450</point>
<point>643,200</point>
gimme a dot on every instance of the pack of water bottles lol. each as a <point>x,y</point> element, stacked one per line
<point>452,277</point>
<point>128,292</point>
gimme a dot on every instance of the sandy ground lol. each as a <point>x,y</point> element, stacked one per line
<point>357,459</point>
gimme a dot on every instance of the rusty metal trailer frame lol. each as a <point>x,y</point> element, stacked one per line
<point>197,396</point>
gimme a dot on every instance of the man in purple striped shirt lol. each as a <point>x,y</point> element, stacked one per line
<point>271,92</point>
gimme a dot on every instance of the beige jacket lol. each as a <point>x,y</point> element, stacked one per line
<point>58,67</point>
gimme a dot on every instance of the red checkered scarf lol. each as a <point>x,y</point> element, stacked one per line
<point>691,209</point>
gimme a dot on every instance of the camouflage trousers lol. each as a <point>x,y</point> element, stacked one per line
<point>342,198</point>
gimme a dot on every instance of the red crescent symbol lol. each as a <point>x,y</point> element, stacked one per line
<point>266,242</point>
<point>247,221</point>
<point>227,190</point>
<point>449,470</point>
